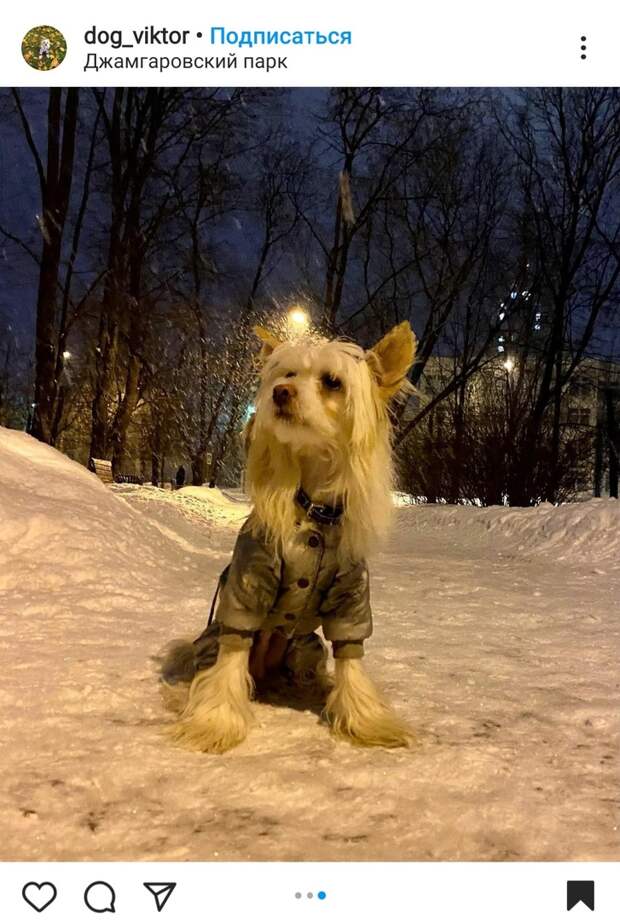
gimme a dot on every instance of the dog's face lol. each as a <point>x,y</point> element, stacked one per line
<point>319,393</point>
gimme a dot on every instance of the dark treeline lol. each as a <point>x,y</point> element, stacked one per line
<point>169,221</point>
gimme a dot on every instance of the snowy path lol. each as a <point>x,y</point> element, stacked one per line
<point>507,664</point>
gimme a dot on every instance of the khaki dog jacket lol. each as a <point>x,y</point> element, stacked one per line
<point>295,591</point>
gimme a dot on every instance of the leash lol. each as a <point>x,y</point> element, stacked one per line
<point>220,582</point>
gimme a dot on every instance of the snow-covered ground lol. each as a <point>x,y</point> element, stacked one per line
<point>497,633</point>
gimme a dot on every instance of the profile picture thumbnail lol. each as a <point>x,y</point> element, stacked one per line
<point>44,48</point>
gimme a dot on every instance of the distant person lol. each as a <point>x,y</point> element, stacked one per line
<point>180,477</point>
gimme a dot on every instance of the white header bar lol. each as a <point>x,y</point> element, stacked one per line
<point>438,43</point>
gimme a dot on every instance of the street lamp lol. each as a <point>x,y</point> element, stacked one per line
<point>509,364</point>
<point>66,355</point>
<point>298,321</point>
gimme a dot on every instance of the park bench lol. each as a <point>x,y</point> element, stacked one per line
<point>103,469</point>
<point>129,478</point>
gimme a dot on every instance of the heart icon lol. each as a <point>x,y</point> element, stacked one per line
<point>39,895</point>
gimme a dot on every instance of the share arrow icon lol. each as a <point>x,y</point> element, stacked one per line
<point>161,892</point>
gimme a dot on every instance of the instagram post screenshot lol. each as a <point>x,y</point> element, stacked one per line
<point>309,461</point>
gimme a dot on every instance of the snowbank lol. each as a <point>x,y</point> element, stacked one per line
<point>59,525</point>
<point>505,664</point>
<point>195,503</point>
<point>587,532</point>
<point>212,495</point>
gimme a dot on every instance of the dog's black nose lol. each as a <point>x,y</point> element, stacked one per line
<point>282,393</point>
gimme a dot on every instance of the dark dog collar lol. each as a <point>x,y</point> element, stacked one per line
<point>322,514</point>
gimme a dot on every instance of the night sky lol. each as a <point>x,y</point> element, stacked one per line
<point>20,202</point>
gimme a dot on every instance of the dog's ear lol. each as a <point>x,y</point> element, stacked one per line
<point>391,358</point>
<point>269,340</point>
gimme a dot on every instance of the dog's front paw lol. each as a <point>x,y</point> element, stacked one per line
<point>356,712</point>
<point>384,730</point>
<point>215,730</point>
<point>218,713</point>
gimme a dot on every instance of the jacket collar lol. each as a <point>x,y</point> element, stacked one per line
<point>322,514</point>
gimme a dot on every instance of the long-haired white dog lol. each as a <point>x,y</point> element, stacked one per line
<point>319,473</point>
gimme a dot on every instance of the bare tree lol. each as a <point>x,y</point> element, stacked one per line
<point>567,144</point>
<point>55,170</point>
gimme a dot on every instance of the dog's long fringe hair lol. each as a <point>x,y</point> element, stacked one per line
<point>357,712</point>
<point>361,471</point>
<point>217,712</point>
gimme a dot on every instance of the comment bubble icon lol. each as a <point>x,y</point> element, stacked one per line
<point>100,897</point>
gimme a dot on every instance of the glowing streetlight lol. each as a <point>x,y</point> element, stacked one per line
<point>509,364</point>
<point>66,355</point>
<point>298,320</point>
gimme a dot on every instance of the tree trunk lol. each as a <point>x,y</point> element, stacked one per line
<point>199,469</point>
<point>56,181</point>
<point>125,414</point>
<point>105,364</point>
<point>114,292</point>
<point>613,435</point>
<point>45,386</point>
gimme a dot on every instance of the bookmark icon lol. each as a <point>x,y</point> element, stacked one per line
<point>580,890</point>
<point>161,892</point>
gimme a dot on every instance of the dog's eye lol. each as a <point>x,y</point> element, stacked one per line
<point>331,383</point>
<point>291,374</point>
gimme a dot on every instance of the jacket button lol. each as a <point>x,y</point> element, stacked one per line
<point>303,583</point>
<point>314,541</point>
<point>289,617</point>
